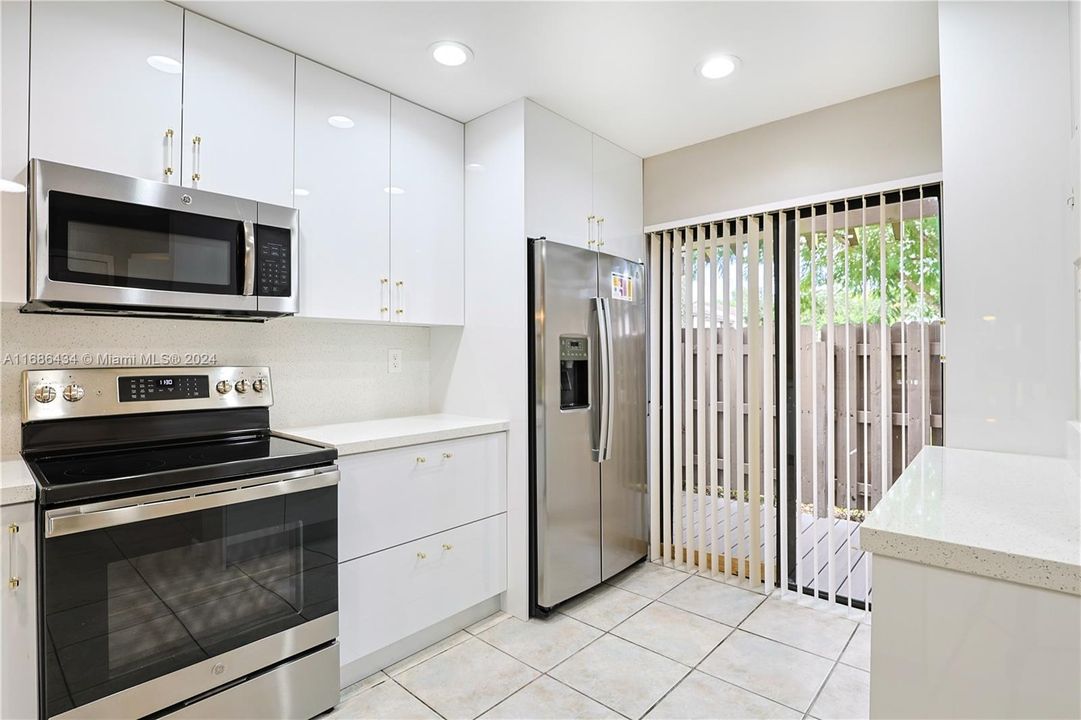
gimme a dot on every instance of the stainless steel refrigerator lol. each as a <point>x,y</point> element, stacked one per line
<point>587,364</point>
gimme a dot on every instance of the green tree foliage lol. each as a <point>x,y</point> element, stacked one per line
<point>912,284</point>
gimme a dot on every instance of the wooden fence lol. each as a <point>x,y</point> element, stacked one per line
<point>913,408</point>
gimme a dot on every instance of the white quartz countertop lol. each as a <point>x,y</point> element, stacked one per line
<point>369,435</point>
<point>1000,515</point>
<point>17,484</point>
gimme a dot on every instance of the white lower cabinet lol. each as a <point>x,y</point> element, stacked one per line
<point>387,596</point>
<point>393,496</point>
<point>18,608</point>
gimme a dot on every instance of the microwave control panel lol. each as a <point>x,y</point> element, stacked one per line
<point>273,262</point>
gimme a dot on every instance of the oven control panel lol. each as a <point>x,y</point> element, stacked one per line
<point>89,392</point>
<point>136,388</point>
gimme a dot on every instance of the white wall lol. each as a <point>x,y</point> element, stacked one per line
<point>323,372</point>
<point>889,135</point>
<point>1009,383</point>
<point>476,370</point>
<point>14,142</point>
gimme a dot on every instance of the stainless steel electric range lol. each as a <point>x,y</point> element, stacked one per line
<point>187,554</point>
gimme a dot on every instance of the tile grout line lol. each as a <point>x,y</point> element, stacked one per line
<point>830,673</point>
<point>418,699</point>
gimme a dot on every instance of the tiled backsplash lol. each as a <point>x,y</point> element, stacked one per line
<point>322,371</point>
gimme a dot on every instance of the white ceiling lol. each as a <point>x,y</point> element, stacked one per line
<point>622,69</point>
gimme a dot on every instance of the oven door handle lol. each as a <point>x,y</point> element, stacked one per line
<point>249,258</point>
<point>96,516</point>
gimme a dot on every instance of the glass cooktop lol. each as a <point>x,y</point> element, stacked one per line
<point>78,476</point>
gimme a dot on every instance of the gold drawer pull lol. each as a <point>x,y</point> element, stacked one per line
<point>447,456</point>
<point>421,459</point>
<point>447,546</point>
<point>421,556</point>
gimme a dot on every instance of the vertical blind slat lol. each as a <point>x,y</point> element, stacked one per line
<point>727,403</point>
<point>831,404</point>
<point>655,335</point>
<point>754,398</point>
<point>738,401</point>
<point>703,406</point>
<point>782,405</point>
<point>711,411</point>
<point>687,534</point>
<point>767,401</point>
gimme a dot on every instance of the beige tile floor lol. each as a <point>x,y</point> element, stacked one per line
<point>654,642</point>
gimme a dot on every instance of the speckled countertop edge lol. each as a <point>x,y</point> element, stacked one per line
<point>1037,572</point>
<point>17,484</point>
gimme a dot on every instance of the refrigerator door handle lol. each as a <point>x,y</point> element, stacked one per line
<point>604,337</point>
<point>611,397</point>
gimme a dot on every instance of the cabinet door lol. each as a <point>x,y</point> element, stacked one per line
<point>617,200</point>
<point>238,113</point>
<point>18,610</point>
<point>427,184</point>
<point>95,100</point>
<point>341,173</point>
<point>387,596</point>
<point>559,178</point>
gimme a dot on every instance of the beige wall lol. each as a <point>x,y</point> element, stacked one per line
<point>323,372</point>
<point>886,136</point>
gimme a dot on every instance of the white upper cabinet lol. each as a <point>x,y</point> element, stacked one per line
<point>427,155</point>
<point>95,98</point>
<point>559,178</point>
<point>238,113</point>
<point>342,172</point>
<point>617,200</point>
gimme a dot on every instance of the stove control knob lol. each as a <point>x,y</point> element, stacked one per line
<point>223,387</point>
<point>258,385</point>
<point>241,386</point>
<point>73,393</point>
<point>45,393</point>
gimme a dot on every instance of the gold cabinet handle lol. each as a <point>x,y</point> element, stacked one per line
<point>400,284</point>
<point>600,232</point>
<point>447,455</point>
<point>448,546</point>
<point>168,152</point>
<point>196,159</point>
<point>13,580</point>
<point>421,459</point>
<point>422,556</point>
<point>589,230</point>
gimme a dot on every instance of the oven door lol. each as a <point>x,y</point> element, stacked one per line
<point>105,240</point>
<point>151,601</point>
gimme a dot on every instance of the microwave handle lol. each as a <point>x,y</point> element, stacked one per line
<point>249,258</point>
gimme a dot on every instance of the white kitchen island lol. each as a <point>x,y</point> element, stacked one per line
<point>977,588</point>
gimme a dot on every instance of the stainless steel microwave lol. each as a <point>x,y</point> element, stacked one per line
<point>105,243</point>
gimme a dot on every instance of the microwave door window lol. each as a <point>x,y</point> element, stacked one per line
<point>104,242</point>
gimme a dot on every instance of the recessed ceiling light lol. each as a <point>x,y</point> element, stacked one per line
<point>340,121</point>
<point>393,190</point>
<point>301,192</point>
<point>450,53</point>
<point>718,67</point>
<point>10,186</point>
<point>989,318</point>
<point>475,167</point>
<point>165,63</point>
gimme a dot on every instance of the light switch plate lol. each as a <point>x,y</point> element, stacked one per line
<point>394,360</point>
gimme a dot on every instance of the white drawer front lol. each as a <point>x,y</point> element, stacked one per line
<point>394,496</point>
<point>389,595</point>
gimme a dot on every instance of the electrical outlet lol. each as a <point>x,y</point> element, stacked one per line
<point>394,360</point>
